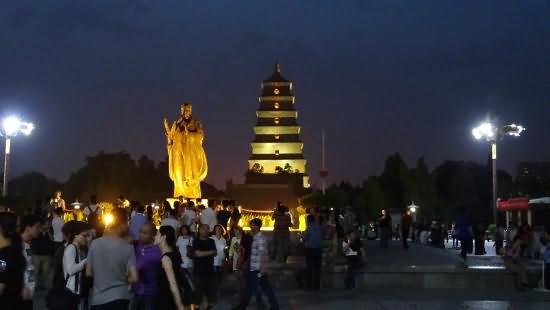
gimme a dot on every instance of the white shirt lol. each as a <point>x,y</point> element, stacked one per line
<point>90,209</point>
<point>57,225</point>
<point>208,216</point>
<point>170,221</point>
<point>71,268</point>
<point>182,244</point>
<point>189,217</point>
<point>220,249</point>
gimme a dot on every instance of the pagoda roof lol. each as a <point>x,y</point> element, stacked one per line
<point>276,76</point>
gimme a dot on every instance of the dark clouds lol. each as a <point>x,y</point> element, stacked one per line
<point>380,76</point>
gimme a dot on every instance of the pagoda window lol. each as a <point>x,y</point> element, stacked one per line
<point>277,137</point>
<point>276,152</point>
<point>276,91</point>
<point>276,121</point>
<point>276,105</point>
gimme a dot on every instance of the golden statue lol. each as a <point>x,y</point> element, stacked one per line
<point>186,158</point>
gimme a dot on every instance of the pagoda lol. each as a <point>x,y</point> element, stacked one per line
<point>277,167</point>
<point>277,147</point>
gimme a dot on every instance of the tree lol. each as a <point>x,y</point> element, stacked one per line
<point>394,180</point>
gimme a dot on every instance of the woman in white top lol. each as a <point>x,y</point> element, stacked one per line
<point>184,240</point>
<point>74,259</point>
<point>221,243</point>
<point>219,259</point>
<point>57,227</point>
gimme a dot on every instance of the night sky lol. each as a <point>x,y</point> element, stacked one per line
<point>379,76</point>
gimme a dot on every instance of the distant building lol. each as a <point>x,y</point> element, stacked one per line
<point>276,167</point>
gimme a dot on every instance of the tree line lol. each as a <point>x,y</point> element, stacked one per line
<point>439,193</point>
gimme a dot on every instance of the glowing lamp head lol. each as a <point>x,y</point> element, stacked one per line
<point>486,130</point>
<point>108,219</point>
<point>412,209</point>
<point>12,125</point>
<point>514,130</point>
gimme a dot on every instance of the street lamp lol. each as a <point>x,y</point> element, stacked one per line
<point>493,134</point>
<point>413,208</point>
<point>11,126</point>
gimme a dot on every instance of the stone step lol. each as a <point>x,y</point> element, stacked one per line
<point>441,277</point>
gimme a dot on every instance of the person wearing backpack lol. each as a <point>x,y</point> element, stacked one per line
<point>169,296</point>
<point>68,265</point>
<point>92,215</point>
<point>74,261</point>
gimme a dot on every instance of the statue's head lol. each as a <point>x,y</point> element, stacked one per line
<point>186,110</point>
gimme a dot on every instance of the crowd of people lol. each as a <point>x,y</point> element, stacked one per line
<point>127,259</point>
<point>177,255</point>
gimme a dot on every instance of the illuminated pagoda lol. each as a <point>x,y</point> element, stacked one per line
<point>277,167</point>
<point>277,147</point>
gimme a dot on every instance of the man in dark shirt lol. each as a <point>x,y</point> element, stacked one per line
<point>12,264</point>
<point>204,250</point>
<point>223,215</point>
<point>312,243</point>
<point>281,233</point>
<point>406,221</point>
<point>41,248</point>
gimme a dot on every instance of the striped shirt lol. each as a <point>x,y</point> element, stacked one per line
<point>258,250</point>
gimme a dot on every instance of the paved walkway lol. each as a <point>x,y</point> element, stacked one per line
<point>416,255</point>
<point>401,299</point>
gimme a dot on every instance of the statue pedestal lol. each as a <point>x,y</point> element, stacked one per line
<point>171,200</point>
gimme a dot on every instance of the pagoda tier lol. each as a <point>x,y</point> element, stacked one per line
<point>277,143</point>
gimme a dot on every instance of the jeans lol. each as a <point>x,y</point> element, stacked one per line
<point>384,235</point>
<point>405,236</point>
<point>142,302</point>
<point>352,270</point>
<point>41,265</point>
<point>252,285</point>
<point>313,268</point>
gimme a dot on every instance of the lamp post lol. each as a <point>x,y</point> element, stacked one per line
<point>493,134</point>
<point>11,126</point>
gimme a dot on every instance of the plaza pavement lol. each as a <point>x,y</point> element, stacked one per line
<point>401,298</point>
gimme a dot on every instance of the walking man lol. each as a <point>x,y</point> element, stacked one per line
<point>384,223</point>
<point>256,275</point>
<point>281,233</point>
<point>112,264</point>
<point>406,221</point>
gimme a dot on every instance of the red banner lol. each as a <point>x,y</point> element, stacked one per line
<point>513,204</point>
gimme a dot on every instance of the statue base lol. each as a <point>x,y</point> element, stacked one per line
<point>171,201</point>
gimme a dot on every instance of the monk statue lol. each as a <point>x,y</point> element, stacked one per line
<point>186,158</point>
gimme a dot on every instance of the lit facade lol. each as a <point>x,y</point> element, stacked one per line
<point>277,144</point>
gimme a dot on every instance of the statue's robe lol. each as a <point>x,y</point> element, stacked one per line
<point>186,159</point>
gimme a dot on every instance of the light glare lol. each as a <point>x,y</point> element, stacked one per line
<point>11,125</point>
